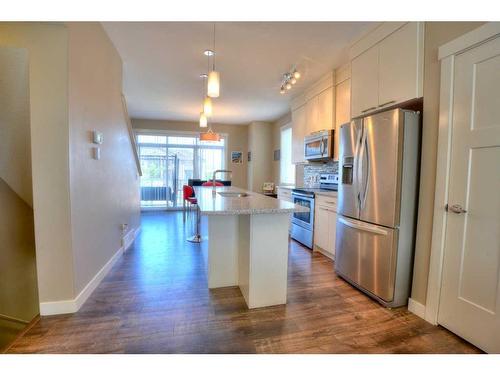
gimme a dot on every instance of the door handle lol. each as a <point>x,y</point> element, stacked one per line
<point>368,109</point>
<point>455,208</point>
<point>383,105</point>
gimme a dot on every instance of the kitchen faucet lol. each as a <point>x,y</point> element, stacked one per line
<point>213,177</point>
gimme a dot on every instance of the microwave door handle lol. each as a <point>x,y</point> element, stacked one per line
<point>322,146</point>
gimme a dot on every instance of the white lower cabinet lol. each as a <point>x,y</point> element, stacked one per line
<point>325,219</point>
<point>285,194</point>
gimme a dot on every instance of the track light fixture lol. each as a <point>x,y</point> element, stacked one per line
<point>289,79</point>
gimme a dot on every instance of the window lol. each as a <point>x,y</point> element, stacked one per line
<point>287,169</point>
<point>168,161</point>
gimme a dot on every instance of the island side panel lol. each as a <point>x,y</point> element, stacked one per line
<point>244,256</point>
<point>268,260</point>
<point>222,250</point>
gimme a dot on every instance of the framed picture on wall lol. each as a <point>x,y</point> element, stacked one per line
<point>236,157</point>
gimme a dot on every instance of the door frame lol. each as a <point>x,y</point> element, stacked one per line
<point>446,55</point>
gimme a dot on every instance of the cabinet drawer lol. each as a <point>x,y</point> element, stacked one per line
<point>285,194</point>
<point>327,202</point>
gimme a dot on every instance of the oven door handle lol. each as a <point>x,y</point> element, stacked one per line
<point>302,196</point>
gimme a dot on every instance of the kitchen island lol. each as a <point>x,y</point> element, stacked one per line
<point>247,242</point>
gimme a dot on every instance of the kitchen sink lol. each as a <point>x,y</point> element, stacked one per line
<point>233,194</point>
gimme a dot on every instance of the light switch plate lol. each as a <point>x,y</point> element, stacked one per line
<point>98,138</point>
<point>97,153</point>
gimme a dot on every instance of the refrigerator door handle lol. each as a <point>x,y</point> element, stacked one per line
<point>365,171</point>
<point>358,160</point>
<point>363,226</point>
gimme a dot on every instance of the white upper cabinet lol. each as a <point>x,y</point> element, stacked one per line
<point>390,71</point>
<point>299,129</point>
<point>326,104</point>
<point>400,66</point>
<point>364,81</point>
<point>342,110</point>
<point>311,112</point>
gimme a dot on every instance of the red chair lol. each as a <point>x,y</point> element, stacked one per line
<point>187,197</point>
<point>210,183</point>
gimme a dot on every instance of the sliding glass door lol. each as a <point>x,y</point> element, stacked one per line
<point>168,161</point>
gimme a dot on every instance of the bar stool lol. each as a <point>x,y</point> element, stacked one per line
<point>188,199</point>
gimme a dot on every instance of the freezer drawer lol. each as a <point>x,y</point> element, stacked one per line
<point>366,256</point>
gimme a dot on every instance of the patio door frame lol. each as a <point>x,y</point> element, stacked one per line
<point>196,166</point>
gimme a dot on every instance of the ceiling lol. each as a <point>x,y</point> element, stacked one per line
<point>163,61</point>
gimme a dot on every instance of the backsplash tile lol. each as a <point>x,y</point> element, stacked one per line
<point>312,172</point>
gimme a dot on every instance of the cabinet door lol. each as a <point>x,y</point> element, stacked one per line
<point>321,227</point>
<point>312,110</point>
<point>326,105</point>
<point>342,111</point>
<point>364,81</point>
<point>332,223</point>
<point>400,63</point>
<point>299,127</point>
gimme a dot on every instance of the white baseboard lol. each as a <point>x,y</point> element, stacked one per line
<point>417,308</point>
<point>73,305</point>
<point>129,238</point>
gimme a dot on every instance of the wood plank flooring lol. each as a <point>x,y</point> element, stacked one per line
<point>156,300</point>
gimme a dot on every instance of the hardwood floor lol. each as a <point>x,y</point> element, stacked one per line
<point>156,300</point>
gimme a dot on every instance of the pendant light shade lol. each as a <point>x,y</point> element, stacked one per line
<point>213,85</point>
<point>207,106</point>
<point>203,120</point>
<point>210,136</point>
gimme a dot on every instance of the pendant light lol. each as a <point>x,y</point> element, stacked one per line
<point>213,84</point>
<point>203,120</point>
<point>210,136</point>
<point>203,113</point>
<point>207,100</point>
<point>207,106</point>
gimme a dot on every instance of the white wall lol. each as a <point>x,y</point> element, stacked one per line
<point>15,140</point>
<point>105,192</point>
<point>46,44</point>
<point>75,81</point>
<point>18,285</point>
<point>260,144</point>
<point>436,34</point>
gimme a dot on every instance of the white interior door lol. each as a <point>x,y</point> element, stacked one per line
<point>470,295</point>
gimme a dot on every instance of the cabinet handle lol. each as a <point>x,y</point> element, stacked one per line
<point>368,109</point>
<point>326,209</point>
<point>383,105</point>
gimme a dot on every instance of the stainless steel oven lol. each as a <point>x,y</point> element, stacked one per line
<point>319,146</point>
<point>303,222</point>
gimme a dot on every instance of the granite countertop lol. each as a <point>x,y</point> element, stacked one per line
<point>254,203</point>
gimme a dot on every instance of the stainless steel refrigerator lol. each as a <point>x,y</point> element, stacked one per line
<point>377,200</point>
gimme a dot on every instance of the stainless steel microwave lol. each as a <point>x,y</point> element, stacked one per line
<point>319,145</point>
